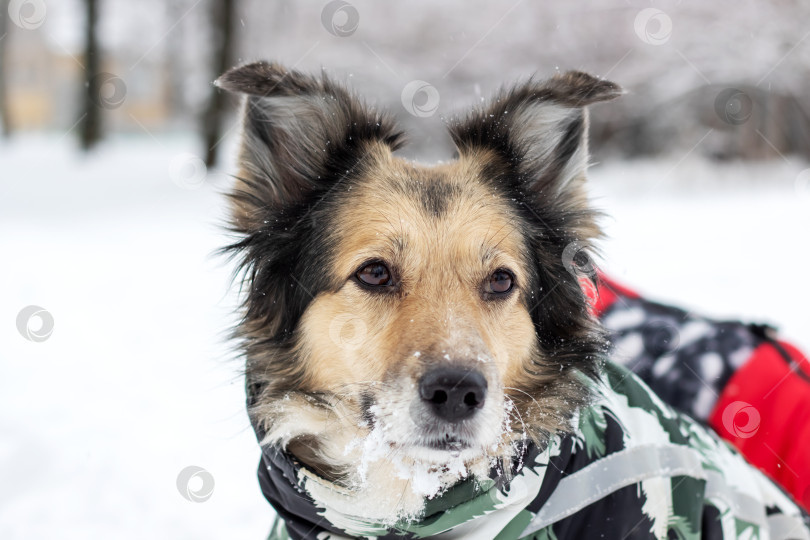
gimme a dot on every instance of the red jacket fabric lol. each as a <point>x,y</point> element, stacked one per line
<point>764,410</point>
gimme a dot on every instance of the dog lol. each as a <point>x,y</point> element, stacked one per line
<point>421,359</point>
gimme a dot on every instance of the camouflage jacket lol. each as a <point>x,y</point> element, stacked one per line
<point>634,468</point>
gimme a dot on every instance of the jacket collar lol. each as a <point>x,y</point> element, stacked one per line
<point>289,487</point>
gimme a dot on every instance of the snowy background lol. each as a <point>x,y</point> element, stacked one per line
<point>137,381</point>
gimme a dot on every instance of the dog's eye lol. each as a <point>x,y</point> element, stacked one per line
<point>375,274</point>
<point>500,282</point>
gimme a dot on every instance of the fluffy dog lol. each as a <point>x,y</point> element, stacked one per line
<point>420,357</point>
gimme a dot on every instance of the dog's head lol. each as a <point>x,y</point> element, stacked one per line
<point>440,306</point>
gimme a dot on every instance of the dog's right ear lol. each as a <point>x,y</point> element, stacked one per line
<point>301,135</point>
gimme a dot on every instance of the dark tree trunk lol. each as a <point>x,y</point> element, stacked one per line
<point>175,63</point>
<point>222,13</point>
<point>4,110</point>
<point>91,121</point>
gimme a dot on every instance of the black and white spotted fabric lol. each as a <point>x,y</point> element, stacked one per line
<point>686,359</point>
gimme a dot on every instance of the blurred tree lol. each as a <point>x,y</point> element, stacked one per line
<point>3,40</point>
<point>222,14</point>
<point>177,63</point>
<point>91,123</point>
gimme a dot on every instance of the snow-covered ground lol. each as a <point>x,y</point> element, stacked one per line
<point>136,382</point>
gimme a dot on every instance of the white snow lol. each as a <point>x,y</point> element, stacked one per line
<point>136,382</point>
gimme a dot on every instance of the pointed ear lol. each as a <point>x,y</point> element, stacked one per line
<point>301,134</point>
<point>539,128</point>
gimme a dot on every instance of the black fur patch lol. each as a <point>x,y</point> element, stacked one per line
<point>432,192</point>
<point>435,196</point>
<point>366,403</point>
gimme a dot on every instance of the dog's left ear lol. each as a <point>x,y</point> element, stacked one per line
<point>539,128</point>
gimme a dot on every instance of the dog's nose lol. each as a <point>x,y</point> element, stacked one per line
<point>452,393</point>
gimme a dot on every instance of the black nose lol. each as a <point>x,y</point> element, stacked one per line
<point>453,393</point>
